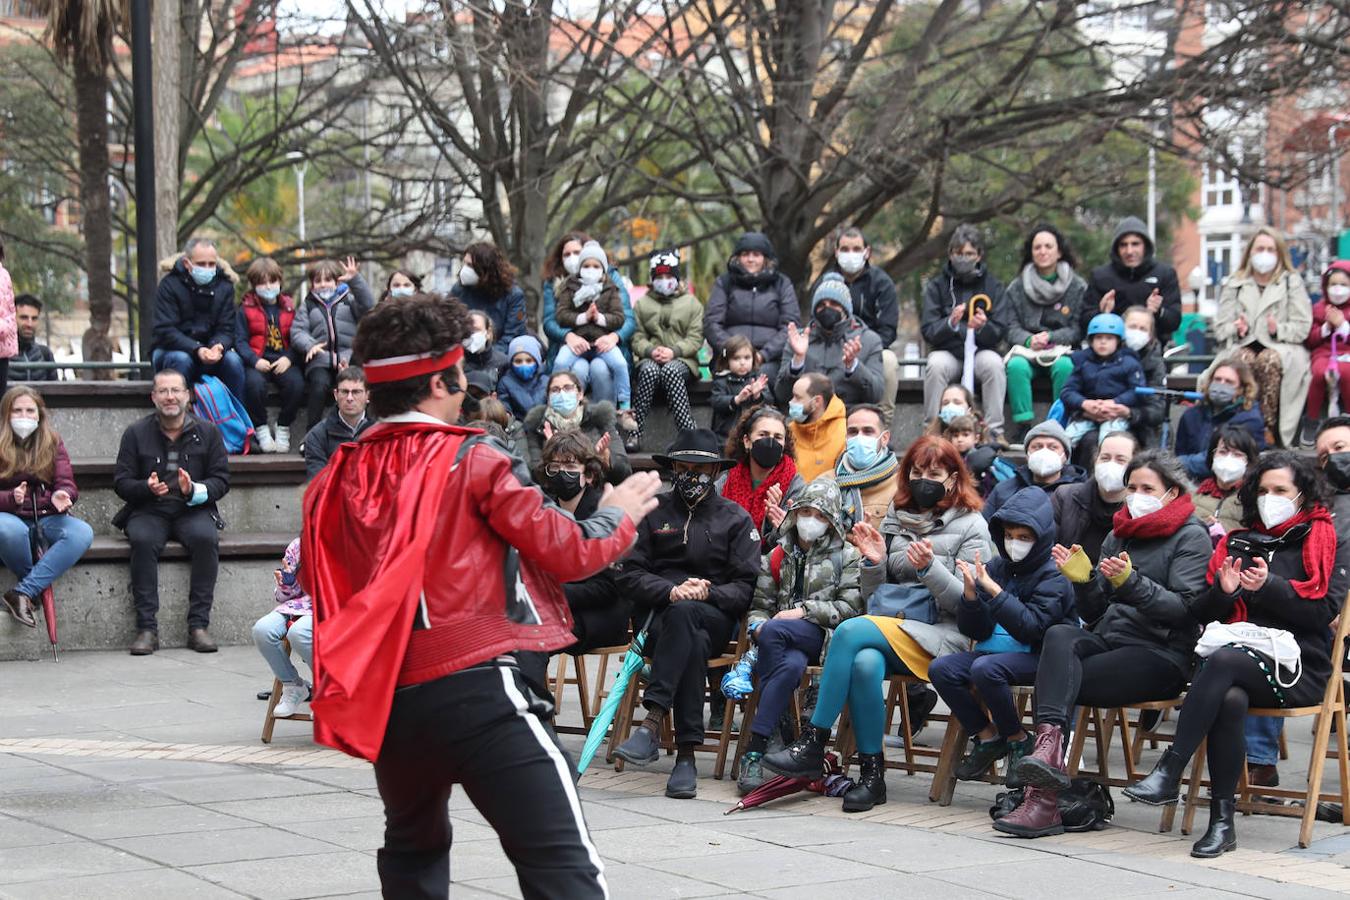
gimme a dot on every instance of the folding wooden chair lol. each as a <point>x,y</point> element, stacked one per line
<point>590,694</point>
<point>916,758</point>
<point>954,743</point>
<point>270,717</point>
<point>751,703</point>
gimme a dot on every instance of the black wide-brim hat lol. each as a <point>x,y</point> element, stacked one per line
<point>696,445</point>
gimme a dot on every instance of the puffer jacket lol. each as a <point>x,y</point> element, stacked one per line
<point>825,353</point>
<point>943,292</point>
<point>1035,595</point>
<point>674,322</point>
<point>874,299</point>
<point>189,316</point>
<point>548,315</point>
<point>62,479</point>
<point>1082,516</point>
<point>333,324</point>
<point>819,443</point>
<point>1153,607</point>
<point>1133,285</point>
<point>1096,378</point>
<point>959,534</point>
<point>758,307</point>
<point>608,302</point>
<point>597,419</point>
<point>715,541</point>
<point>1060,318</point>
<point>825,579</point>
<point>1022,478</point>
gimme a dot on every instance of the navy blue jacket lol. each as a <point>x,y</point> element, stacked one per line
<point>1094,378</point>
<point>520,396</point>
<point>1197,426</point>
<point>1035,594</point>
<point>189,316</point>
<point>1022,478</point>
<point>507,312</point>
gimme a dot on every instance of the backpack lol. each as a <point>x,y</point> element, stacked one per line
<point>213,402</point>
<point>1085,806</point>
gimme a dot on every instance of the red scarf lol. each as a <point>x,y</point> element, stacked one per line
<point>1319,555</point>
<point>1210,488</point>
<point>740,491</point>
<point>1163,523</point>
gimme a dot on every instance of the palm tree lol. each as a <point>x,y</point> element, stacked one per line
<point>81,32</point>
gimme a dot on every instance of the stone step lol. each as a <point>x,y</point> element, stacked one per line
<point>93,600</point>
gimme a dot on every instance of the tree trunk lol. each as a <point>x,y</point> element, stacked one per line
<point>91,123</point>
<point>165,36</point>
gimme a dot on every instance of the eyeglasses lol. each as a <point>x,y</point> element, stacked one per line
<point>554,468</point>
<point>563,389</point>
<point>169,392</point>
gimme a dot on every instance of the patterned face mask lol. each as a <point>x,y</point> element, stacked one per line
<point>693,486</point>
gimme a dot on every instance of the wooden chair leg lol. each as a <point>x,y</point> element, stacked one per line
<point>269,718</point>
<point>1284,746</point>
<point>618,733</point>
<point>559,683</point>
<point>743,738</point>
<point>724,739</point>
<point>1315,769</point>
<point>1193,791</point>
<point>1075,757</point>
<point>944,779</point>
<point>583,691</point>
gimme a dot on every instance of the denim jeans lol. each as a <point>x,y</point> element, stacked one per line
<point>66,537</point>
<point>230,369</point>
<point>267,635</point>
<point>1263,740</point>
<point>606,373</point>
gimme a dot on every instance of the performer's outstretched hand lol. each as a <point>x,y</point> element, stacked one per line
<point>636,496</point>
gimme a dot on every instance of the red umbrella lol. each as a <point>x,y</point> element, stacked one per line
<point>48,601</point>
<point>831,783</point>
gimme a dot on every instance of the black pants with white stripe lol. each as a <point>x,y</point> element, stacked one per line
<point>482,729</point>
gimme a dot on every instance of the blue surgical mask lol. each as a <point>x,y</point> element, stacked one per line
<point>951,411</point>
<point>203,274</point>
<point>796,412</point>
<point>326,294</point>
<point>564,402</point>
<point>401,292</point>
<point>269,292</point>
<point>525,372</point>
<point>863,450</point>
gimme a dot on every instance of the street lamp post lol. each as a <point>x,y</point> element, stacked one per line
<point>143,116</point>
<point>299,164</point>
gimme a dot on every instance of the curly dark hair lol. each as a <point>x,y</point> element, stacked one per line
<point>1307,478</point>
<point>496,275</point>
<point>422,323</point>
<point>1065,251</point>
<point>574,447</point>
<point>553,267</point>
<point>735,448</point>
<point>1234,437</point>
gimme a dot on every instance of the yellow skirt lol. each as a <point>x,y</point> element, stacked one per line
<point>915,658</point>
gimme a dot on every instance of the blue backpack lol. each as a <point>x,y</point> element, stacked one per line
<point>213,402</point>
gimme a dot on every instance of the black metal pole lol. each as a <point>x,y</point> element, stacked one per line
<point>144,117</point>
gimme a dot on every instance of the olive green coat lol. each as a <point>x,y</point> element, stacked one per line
<point>674,322</point>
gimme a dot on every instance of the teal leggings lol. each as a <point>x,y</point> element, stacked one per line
<point>856,667</point>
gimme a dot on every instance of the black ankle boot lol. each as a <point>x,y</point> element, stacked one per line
<point>1221,835</point>
<point>1162,786</point>
<point>803,758</point>
<point>870,790</point>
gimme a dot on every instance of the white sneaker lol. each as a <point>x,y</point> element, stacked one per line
<point>292,695</point>
<point>282,442</point>
<point>264,435</point>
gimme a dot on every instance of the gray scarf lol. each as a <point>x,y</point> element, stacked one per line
<point>1046,293</point>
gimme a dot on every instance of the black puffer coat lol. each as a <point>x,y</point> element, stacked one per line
<point>758,307</point>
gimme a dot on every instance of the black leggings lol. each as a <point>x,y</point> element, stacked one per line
<point>1228,684</point>
<point>1080,668</point>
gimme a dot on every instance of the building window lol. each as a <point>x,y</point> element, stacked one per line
<point>1220,188</point>
<point>1221,253</point>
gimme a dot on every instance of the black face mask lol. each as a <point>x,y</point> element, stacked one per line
<point>565,485</point>
<point>829,317</point>
<point>1337,470</point>
<point>926,492</point>
<point>693,487</point>
<point>767,452</point>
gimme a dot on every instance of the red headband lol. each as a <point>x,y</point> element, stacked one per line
<point>398,368</point>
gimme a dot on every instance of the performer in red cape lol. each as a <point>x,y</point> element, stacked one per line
<point>431,558</point>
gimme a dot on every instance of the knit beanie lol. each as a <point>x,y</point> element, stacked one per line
<point>833,287</point>
<point>1050,428</point>
<point>526,343</point>
<point>754,240</point>
<point>665,264</point>
<point>593,250</point>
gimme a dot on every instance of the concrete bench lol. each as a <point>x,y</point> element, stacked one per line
<point>93,600</point>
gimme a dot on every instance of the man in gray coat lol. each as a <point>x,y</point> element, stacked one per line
<point>836,344</point>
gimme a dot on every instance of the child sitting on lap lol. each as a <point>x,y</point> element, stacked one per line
<point>292,620</point>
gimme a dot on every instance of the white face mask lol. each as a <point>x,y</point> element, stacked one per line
<point>1110,476</point>
<point>591,275</point>
<point>475,342</point>
<point>811,530</point>
<point>1142,504</point>
<point>666,287</point>
<point>1264,262</point>
<point>1229,468</point>
<point>1045,462</point>
<point>1017,550</point>
<point>1137,338</point>
<point>851,261</point>
<point>1338,294</point>
<point>1275,510</point>
<point>571,263</point>
<point>22,426</point>
<point>467,276</point>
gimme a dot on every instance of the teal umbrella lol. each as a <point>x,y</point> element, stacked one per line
<point>632,661</point>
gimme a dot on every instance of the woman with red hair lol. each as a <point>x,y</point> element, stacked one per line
<point>935,520</point>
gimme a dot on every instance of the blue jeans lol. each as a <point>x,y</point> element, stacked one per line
<point>230,369</point>
<point>606,373</point>
<point>1263,740</point>
<point>66,536</point>
<point>268,633</point>
<point>786,648</point>
<point>992,676</point>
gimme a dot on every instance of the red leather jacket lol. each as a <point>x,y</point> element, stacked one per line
<point>427,550</point>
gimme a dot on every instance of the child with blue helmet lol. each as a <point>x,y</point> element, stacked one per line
<point>1100,394</point>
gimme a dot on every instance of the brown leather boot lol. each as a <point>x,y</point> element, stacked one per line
<point>20,606</point>
<point>1038,816</point>
<point>1044,768</point>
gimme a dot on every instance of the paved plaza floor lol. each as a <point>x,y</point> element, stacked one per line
<point>144,778</point>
